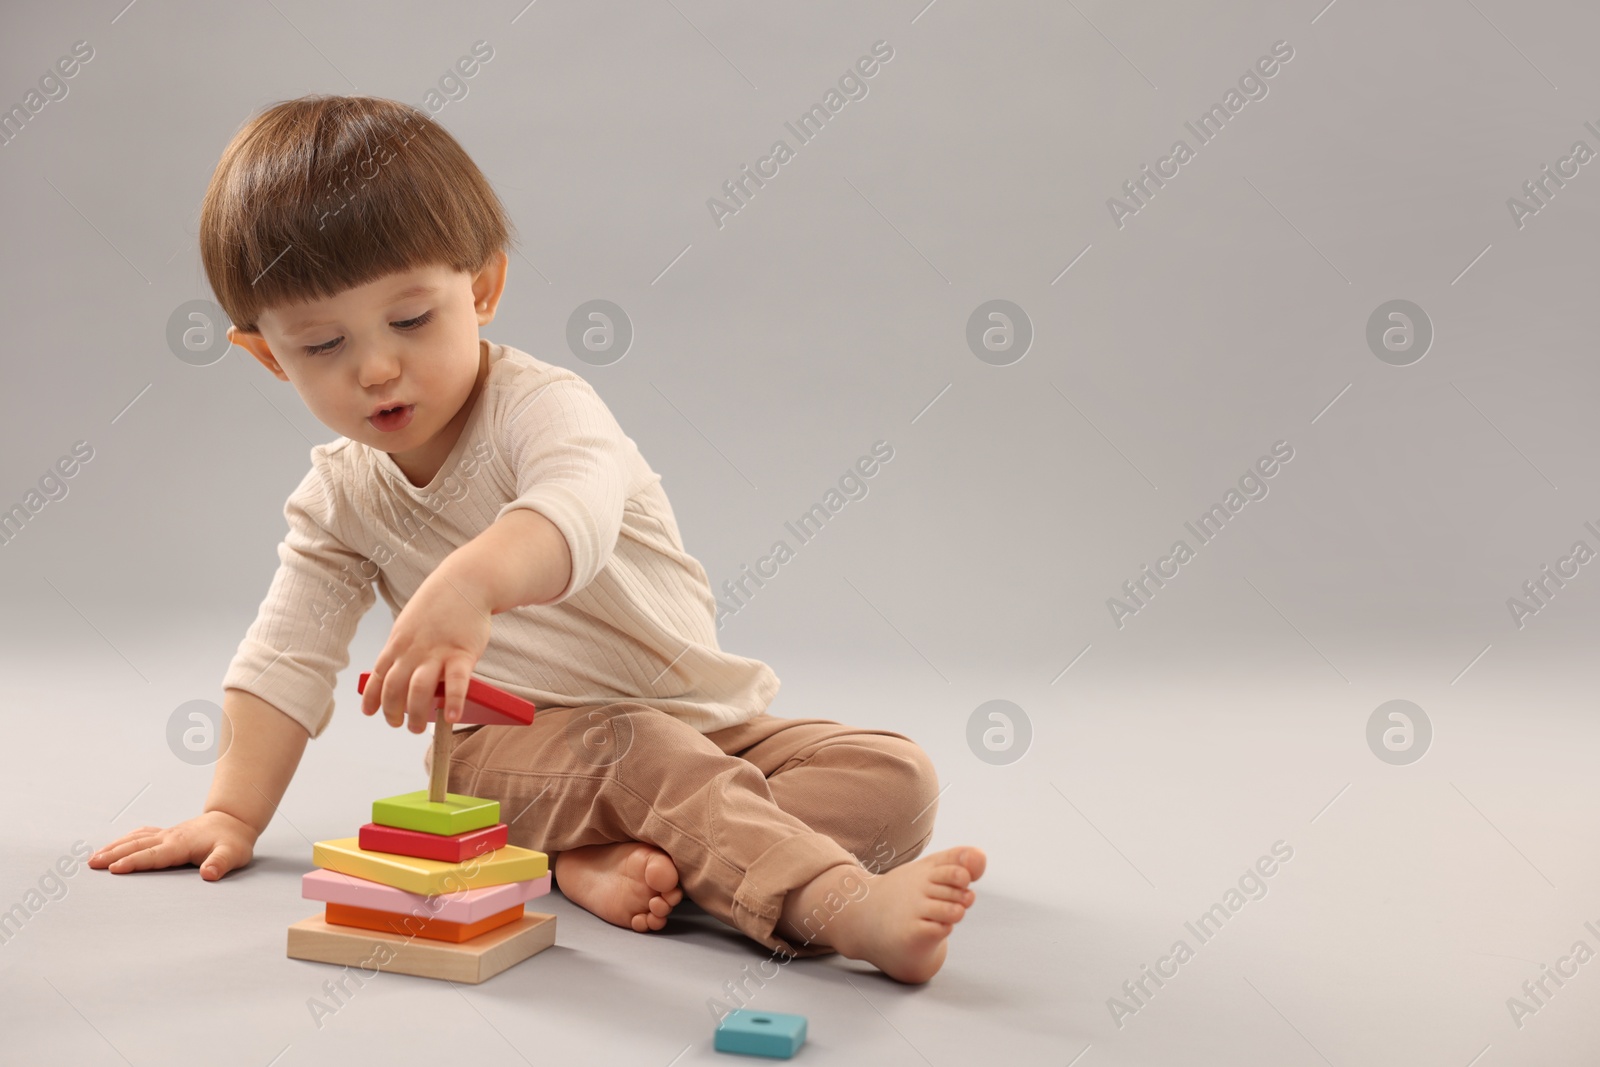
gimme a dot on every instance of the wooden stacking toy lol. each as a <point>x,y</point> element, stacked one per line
<point>430,886</point>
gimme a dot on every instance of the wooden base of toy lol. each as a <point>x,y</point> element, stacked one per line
<point>470,962</point>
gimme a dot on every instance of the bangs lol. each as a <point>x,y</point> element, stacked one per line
<point>322,193</point>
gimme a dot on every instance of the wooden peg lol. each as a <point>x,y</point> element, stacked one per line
<point>443,740</point>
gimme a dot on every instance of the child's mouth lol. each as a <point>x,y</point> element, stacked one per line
<point>393,419</point>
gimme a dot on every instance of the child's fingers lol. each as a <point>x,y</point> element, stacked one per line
<point>121,847</point>
<point>457,674</point>
<point>418,714</point>
<point>164,853</point>
<point>420,700</point>
<point>394,703</point>
<point>124,839</point>
<point>372,695</point>
<point>143,831</point>
<point>224,858</point>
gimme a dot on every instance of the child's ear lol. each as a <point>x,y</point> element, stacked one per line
<point>488,285</point>
<point>257,346</point>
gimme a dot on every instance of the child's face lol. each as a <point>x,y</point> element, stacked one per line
<point>371,347</point>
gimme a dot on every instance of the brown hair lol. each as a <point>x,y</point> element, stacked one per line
<point>322,193</point>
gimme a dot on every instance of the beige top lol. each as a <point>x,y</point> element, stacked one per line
<point>637,622</point>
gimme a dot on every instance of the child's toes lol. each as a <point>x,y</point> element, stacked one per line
<point>951,874</point>
<point>673,896</point>
<point>660,874</point>
<point>955,894</point>
<point>659,907</point>
<point>974,860</point>
<point>942,911</point>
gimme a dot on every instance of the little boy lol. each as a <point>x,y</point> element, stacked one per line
<point>357,250</point>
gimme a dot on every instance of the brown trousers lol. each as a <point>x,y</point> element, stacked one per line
<point>747,813</point>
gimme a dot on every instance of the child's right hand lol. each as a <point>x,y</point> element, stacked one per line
<point>216,842</point>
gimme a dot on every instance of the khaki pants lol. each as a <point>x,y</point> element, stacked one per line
<point>747,813</point>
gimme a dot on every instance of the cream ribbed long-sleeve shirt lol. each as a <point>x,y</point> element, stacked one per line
<point>637,621</point>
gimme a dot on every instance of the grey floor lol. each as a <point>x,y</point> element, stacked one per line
<point>1156,358</point>
<point>1417,900</point>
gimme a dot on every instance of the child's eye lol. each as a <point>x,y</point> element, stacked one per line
<point>408,325</point>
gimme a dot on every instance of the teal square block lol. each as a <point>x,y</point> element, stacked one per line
<point>761,1033</point>
<point>457,814</point>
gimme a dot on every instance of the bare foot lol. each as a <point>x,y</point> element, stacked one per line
<point>898,921</point>
<point>628,884</point>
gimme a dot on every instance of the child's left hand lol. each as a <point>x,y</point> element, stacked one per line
<point>440,633</point>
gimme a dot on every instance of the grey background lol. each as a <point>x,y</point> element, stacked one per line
<point>831,312</point>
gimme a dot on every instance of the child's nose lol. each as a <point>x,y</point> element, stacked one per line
<point>379,366</point>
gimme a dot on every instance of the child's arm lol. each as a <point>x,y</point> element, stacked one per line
<point>261,747</point>
<point>574,470</point>
<point>521,558</point>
